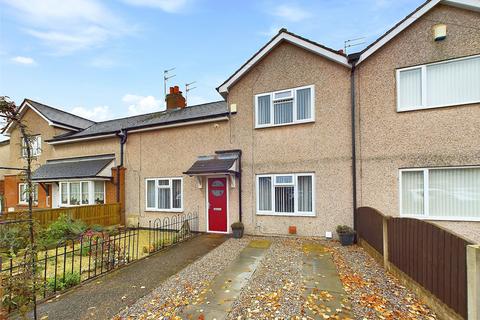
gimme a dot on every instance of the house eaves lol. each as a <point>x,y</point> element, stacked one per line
<point>283,35</point>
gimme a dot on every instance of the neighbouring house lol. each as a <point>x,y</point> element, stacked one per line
<point>4,158</point>
<point>305,134</point>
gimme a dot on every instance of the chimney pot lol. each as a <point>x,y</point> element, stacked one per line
<point>175,99</point>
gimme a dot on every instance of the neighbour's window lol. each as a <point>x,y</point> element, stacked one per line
<point>441,193</point>
<point>164,194</point>
<point>285,194</point>
<point>75,193</point>
<point>23,193</point>
<point>35,146</point>
<point>446,83</point>
<point>284,107</point>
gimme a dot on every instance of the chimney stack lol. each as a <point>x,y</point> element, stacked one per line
<point>175,99</point>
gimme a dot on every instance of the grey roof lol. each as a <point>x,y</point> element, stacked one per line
<point>198,112</point>
<point>60,117</point>
<point>71,169</point>
<point>222,163</point>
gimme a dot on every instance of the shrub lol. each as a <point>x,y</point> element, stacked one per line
<point>343,229</point>
<point>71,279</point>
<point>62,229</point>
<point>13,238</point>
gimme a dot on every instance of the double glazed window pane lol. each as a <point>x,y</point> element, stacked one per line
<point>305,191</point>
<point>84,192</point>
<point>455,192</point>
<point>150,193</point>
<point>412,193</point>
<point>304,109</point>
<point>284,199</point>
<point>177,193</point>
<point>64,196</point>
<point>164,194</point>
<point>265,193</point>
<point>99,192</point>
<point>74,193</point>
<point>283,111</point>
<point>410,91</point>
<point>263,112</point>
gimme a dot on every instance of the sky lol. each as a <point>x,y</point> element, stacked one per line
<point>104,59</point>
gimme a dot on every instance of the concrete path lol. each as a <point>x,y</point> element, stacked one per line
<point>216,302</point>
<point>106,296</point>
<point>323,290</point>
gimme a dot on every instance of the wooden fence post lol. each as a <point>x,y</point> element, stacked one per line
<point>385,243</point>
<point>473,281</point>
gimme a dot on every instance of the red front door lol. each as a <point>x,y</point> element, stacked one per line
<point>217,204</point>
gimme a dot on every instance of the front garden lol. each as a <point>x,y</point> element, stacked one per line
<point>69,252</point>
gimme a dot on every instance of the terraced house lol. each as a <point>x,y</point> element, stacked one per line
<point>305,134</point>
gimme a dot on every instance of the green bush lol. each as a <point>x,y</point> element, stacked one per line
<point>71,279</point>
<point>62,229</point>
<point>13,238</point>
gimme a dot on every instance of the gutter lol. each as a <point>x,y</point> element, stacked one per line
<point>354,152</point>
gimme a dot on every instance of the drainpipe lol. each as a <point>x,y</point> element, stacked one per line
<point>354,155</point>
<point>239,176</point>
<point>123,139</point>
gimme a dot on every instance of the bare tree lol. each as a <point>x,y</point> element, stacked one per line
<point>10,113</point>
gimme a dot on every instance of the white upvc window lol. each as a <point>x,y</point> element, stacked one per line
<point>35,146</point>
<point>440,84</point>
<point>450,193</point>
<point>76,193</point>
<point>285,107</point>
<point>290,194</point>
<point>23,193</point>
<point>164,194</point>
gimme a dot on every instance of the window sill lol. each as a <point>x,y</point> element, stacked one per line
<point>283,124</point>
<point>433,218</point>
<point>286,214</point>
<point>165,210</point>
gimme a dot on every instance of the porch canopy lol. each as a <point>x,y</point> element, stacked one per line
<point>92,168</point>
<point>220,163</point>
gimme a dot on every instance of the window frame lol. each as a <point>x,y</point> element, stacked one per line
<point>426,199</point>
<point>294,97</point>
<point>91,192</point>
<point>36,152</point>
<point>423,68</point>
<point>296,212</point>
<point>170,186</point>
<point>34,202</point>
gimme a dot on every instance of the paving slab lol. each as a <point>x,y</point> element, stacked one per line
<point>106,296</point>
<point>215,302</point>
<point>323,289</point>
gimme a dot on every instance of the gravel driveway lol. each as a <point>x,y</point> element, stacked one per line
<point>275,289</point>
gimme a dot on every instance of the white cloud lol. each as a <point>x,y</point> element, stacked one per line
<point>23,60</point>
<point>270,32</point>
<point>99,113</point>
<point>291,13</point>
<point>68,26</point>
<point>142,104</point>
<point>171,6</point>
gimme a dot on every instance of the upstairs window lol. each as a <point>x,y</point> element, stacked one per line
<point>35,146</point>
<point>284,107</point>
<point>440,84</point>
<point>164,194</point>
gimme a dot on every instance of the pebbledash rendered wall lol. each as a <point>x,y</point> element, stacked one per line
<point>322,147</point>
<point>388,140</point>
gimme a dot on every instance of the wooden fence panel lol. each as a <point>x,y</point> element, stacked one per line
<point>104,214</point>
<point>370,227</point>
<point>433,257</point>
